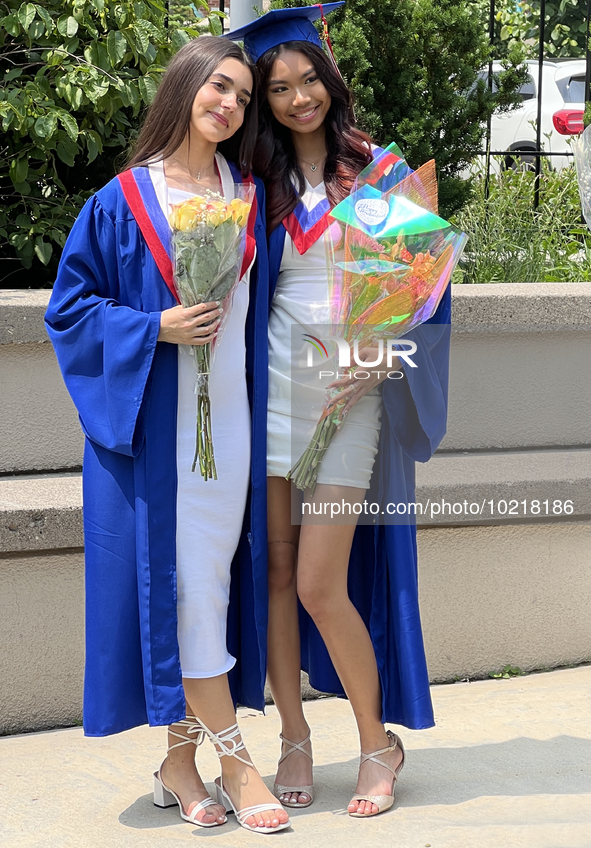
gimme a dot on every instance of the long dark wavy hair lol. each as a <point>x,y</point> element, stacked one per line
<point>348,148</point>
<point>169,116</point>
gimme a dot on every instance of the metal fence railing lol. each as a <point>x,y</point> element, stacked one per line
<point>537,154</point>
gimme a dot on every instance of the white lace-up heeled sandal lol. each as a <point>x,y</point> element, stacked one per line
<point>227,744</point>
<point>279,789</point>
<point>382,802</point>
<point>165,797</point>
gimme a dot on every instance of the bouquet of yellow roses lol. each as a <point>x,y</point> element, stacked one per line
<point>208,244</point>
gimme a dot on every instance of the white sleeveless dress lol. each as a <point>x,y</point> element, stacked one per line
<point>210,513</point>
<point>296,394</point>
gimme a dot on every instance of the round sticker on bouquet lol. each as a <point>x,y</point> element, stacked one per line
<point>372,211</point>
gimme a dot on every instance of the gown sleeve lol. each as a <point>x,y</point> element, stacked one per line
<point>416,406</point>
<point>104,349</point>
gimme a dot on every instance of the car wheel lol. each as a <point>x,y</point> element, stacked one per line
<point>521,159</point>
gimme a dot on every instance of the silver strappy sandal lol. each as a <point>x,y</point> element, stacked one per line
<point>165,797</point>
<point>227,744</point>
<point>279,789</point>
<point>382,802</point>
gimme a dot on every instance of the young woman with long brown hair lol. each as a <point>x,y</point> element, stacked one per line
<point>356,628</point>
<point>169,641</point>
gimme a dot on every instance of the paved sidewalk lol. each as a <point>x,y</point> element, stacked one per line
<point>508,766</point>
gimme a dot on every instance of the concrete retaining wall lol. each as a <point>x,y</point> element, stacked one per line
<point>42,638</point>
<point>495,588</point>
<point>517,594</point>
<point>38,421</point>
<point>520,367</point>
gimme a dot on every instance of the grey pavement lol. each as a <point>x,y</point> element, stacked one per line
<point>508,766</point>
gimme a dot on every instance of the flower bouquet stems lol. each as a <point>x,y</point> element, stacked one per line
<point>204,454</point>
<point>304,473</point>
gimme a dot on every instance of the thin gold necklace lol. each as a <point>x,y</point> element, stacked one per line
<point>314,165</point>
<point>195,177</point>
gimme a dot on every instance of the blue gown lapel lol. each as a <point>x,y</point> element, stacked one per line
<point>147,191</point>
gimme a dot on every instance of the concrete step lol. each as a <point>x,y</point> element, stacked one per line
<point>501,307</point>
<point>40,512</point>
<point>505,487</point>
<point>44,512</point>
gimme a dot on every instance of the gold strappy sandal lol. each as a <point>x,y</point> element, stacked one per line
<point>279,789</point>
<point>382,802</point>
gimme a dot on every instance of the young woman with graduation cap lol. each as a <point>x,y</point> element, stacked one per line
<point>356,629</point>
<point>160,540</point>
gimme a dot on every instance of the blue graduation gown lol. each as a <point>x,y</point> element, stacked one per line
<point>104,319</point>
<point>383,577</point>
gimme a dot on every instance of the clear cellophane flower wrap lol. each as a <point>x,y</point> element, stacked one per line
<point>387,274</point>
<point>208,245</point>
<point>582,149</point>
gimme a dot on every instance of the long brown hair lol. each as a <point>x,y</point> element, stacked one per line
<point>168,119</point>
<point>348,148</point>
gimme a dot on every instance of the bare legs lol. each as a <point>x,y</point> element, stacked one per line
<point>319,571</point>
<point>283,660</point>
<point>210,701</point>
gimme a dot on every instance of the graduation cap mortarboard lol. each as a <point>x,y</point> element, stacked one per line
<point>280,25</point>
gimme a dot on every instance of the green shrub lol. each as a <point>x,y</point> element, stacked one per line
<point>75,77</point>
<point>510,242</point>
<point>564,28</point>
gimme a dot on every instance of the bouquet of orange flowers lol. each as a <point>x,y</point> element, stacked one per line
<point>208,243</point>
<point>387,273</point>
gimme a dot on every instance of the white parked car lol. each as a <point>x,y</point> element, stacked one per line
<point>563,103</point>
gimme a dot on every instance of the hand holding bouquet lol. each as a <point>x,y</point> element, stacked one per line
<point>208,242</point>
<point>386,275</point>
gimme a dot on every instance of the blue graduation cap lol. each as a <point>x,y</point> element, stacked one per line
<point>280,25</point>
